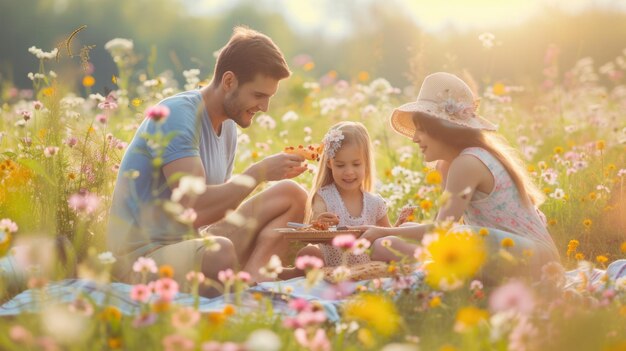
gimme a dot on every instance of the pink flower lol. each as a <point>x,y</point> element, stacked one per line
<point>344,241</point>
<point>360,245</point>
<point>145,265</point>
<point>50,151</point>
<point>37,105</point>
<point>244,277</point>
<point>158,113</point>
<point>195,277</point>
<point>26,114</point>
<point>177,342</point>
<point>319,341</point>
<point>141,293</point>
<point>8,226</point>
<point>166,288</point>
<point>144,320</point>
<point>307,262</point>
<point>109,103</point>
<point>84,203</point>
<point>71,141</point>
<point>514,296</point>
<point>523,337</point>
<point>185,317</point>
<point>20,334</point>
<point>226,276</point>
<point>299,305</point>
<point>102,118</point>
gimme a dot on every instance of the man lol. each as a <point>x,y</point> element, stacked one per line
<point>199,138</point>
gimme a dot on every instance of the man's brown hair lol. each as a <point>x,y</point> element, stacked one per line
<point>249,53</point>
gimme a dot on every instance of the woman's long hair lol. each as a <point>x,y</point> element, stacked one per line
<point>461,138</point>
<point>353,133</point>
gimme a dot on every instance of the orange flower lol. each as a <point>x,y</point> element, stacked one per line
<point>363,76</point>
<point>88,81</point>
<point>166,271</point>
<point>228,310</point>
<point>507,242</point>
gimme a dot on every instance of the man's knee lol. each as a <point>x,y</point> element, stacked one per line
<point>291,190</point>
<point>223,258</point>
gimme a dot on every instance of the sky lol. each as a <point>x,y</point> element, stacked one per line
<point>331,18</point>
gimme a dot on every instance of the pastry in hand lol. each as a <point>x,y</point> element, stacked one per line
<point>310,152</point>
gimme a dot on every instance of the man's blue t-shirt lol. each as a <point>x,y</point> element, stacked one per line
<point>138,223</point>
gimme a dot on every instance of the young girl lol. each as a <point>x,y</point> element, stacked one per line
<point>341,193</point>
<point>489,185</point>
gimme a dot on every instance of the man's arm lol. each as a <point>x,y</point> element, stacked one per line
<point>217,199</point>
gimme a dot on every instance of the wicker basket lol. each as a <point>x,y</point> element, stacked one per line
<point>316,236</point>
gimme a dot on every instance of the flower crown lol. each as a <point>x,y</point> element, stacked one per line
<point>332,142</point>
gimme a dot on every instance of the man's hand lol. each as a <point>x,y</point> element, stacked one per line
<point>277,167</point>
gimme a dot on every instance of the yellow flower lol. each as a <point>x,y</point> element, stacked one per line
<point>528,253</point>
<point>483,232</point>
<point>161,306</point>
<point>592,196</point>
<point>228,310</point>
<point>41,133</point>
<point>111,313</point>
<point>255,155</point>
<point>579,256</point>
<point>435,302</point>
<point>332,74</point>
<point>363,76</point>
<point>601,259</point>
<point>622,248</point>
<point>433,177</point>
<point>166,271</point>
<point>469,317</point>
<point>558,150</point>
<point>455,257</point>
<point>49,91</point>
<point>600,145</point>
<point>426,205</point>
<point>499,89</point>
<point>552,222</point>
<point>217,318</point>
<point>377,311</point>
<point>136,102</point>
<point>587,223</point>
<point>366,338</point>
<point>447,348</point>
<point>88,81</point>
<point>114,343</point>
<point>507,242</point>
<point>530,168</point>
<point>547,190</point>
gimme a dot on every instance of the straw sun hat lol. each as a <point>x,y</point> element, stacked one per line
<point>443,96</point>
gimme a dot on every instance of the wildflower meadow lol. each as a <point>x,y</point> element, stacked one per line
<point>61,143</point>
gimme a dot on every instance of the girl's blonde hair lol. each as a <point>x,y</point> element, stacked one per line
<point>354,133</point>
<point>496,144</point>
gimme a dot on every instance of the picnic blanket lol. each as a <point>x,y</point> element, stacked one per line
<point>330,296</point>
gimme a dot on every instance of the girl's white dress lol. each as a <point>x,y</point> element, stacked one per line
<point>374,208</point>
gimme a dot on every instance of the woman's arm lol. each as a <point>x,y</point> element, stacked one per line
<point>466,172</point>
<point>383,221</point>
